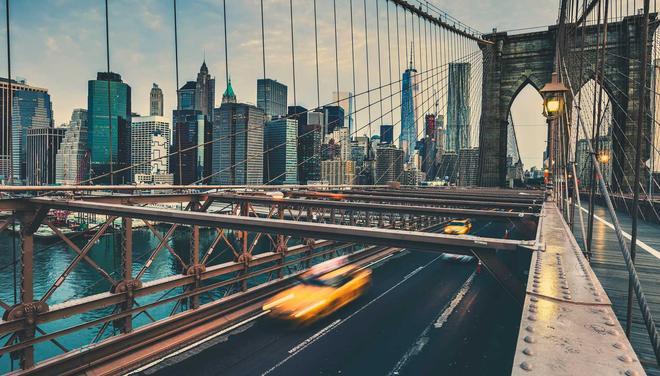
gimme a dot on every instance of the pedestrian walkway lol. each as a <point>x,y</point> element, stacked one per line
<point>608,264</point>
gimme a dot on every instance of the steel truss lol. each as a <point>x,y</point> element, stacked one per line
<point>326,223</point>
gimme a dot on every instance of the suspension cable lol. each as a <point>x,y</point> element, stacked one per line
<point>293,54</point>
<point>263,38</point>
<point>107,56</point>
<point>334,10</point>
<point>366,47</point>
<point>354,102</point>
<point>178,101</point>
<point>316,49</point>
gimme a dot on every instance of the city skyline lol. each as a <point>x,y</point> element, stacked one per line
<point>141,38</point>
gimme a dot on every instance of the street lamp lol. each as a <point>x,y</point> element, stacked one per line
<point>553,97</point>
<point>604,157</point>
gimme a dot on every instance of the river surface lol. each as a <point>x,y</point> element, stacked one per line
<point>52,257</point>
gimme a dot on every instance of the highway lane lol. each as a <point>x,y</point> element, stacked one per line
<point>422,315</point>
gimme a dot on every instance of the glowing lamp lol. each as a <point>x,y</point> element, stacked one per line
<point>553,97</point>
<point>604,157</point>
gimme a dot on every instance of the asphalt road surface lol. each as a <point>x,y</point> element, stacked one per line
<point>422,315</point>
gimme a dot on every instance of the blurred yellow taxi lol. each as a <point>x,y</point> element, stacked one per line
<point>458,227</point>
<point>320,292</point>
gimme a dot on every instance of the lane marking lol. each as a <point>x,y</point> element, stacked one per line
<point>313,338</point>
<point>423,338</point>
<point>318,335</point>
<point>454,303</point>
<point>626,235</point>
<point>193,345</point>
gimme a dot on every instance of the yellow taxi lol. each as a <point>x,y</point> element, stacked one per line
<point>458,227</point>
<point>322,290</point>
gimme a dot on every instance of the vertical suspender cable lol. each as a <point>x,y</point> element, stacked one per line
<point>263,38</point>
<point>398,56</point>
<point>107,56</point>
<point>594,139</point>
<point>10,97</point>
<point>389,59</point>
<point>178,104</point>
<point>293,54</point>
<point>366,47</point>
<point>380,78</point>
<point>316,49</point>
<point>638,161</point>
<point>224,17</point>
<point>352,96</point>
<point>334,9</point>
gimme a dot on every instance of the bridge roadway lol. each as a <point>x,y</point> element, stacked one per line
<point>421,315</point>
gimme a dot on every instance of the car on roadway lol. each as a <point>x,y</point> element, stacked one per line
<point>319,293</point>
<point>458,227</point>
<point>453,257</point>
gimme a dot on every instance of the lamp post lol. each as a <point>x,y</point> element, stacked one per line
<point>553,108</point>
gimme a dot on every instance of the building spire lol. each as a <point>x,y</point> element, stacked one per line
<point>412,48</point>
<point>229,96</point>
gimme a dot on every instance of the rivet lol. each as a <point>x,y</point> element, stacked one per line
<point>609,323</point>
<point>613,332</point>
<point>568,297</point>
<point>535,284</point>
<point>532,317</point>
<point>618,345</point>
<point>535,290</point>
<point>530,339</point>
<point>532,309</point>
<point>529,352</point>
<point>625,358</point>
<point>631,373</point>
<point>564,287</point>
<point>530,328</point>
<point>526,366</point>
<point>598,299</point>
<point>534,299</point>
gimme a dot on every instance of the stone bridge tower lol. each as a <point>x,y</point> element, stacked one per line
<point>513,61</point>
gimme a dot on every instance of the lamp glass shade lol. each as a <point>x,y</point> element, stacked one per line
<point>553,105</point>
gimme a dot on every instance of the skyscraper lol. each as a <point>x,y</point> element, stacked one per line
<point>468,164</point>
<point>389,164</point>
<point>386,134</point>
<point>229,96</point>
<point>30,109</point>
<point>334,119</point>
<point>72,161</point>
<point>271,97</point>
<point>186,96</point>
<point>310,129</point>
<point>191,130</point>
<point>156,101</point>
<point>109,141</point>
<point>6,134</point>
<point>205,92</point>
<point>458,107</point>
<point>42,145</point>
<point>281,154</point>
<point>345,100</point>
<point>240,129</point>
<point>408,112</point>
<point>150,139</point>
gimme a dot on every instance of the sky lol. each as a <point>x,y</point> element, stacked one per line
<point>60,45</point>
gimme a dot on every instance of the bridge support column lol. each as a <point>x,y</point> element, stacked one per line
<point>126,324</point>
<point>28,227</point>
